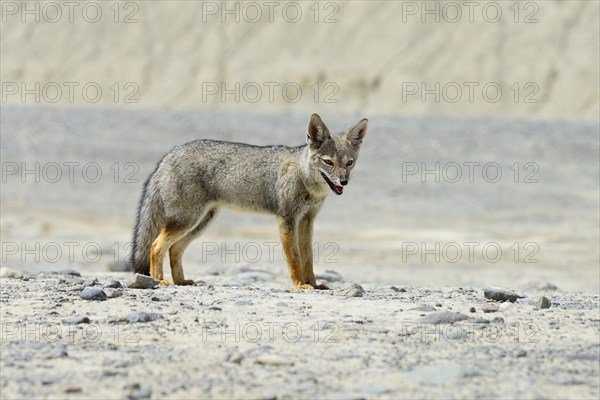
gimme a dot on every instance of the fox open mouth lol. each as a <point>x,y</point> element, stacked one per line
<point>335,188</point>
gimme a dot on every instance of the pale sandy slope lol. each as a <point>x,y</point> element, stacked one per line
<point>544,57</point>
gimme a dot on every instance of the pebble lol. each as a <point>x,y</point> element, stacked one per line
<point>93,293</point>
<point>443,317</point>
<point>76,320</point>
<point>489,308</point>
<point>113,284</point>
<point>271,359</point>
<point>472,309</point>
<point>113,293</point>
<point>10,273</point>
<point>499,294</point>
<point>243,303</point>
<point>352,290</point>
<point>235,357</point>
<point>144,393</point>
<point>66,271</point>
<point>543,302</point>
<point>90,282</point>
<point>141,316</point>
<point>140,281</point>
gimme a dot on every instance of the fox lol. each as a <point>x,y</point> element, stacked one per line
<point>192,181</point>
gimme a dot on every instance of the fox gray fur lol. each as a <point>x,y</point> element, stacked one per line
<point>181,197</point>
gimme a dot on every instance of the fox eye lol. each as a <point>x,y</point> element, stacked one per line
<point>349,163</point>
<point>327,161</point>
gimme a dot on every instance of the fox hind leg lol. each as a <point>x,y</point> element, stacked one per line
<point>177,249</point>
<point>167,237</point>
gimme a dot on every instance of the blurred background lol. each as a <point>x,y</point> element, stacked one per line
<point>480,166</point>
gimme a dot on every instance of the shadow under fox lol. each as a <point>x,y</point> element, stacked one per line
<point>183,194</point>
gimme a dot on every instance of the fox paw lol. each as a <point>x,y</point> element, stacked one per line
<point>303,286</point>
<point>185,282</point>
<point>321,287</point>
<point>164,282</point>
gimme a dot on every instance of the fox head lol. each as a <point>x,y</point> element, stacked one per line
<point>333,155</point>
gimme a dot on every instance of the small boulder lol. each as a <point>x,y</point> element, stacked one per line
<point>93,293</point>
<point>140,281</point>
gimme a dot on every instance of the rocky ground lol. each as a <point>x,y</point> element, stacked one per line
<point>241,333</point>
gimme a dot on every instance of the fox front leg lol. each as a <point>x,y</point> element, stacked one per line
<point>305,230</point>
<point>287,232</point>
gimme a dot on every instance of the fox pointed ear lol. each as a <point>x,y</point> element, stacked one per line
<point>356,134</point>
<point>317,132</point>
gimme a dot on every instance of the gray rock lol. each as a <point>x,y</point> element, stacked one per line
<point>543,302</point>
<point>143,393</point>
<point>443,317</point>
<point>441,374</point>
<point>329,276</point>
<point>90,282</point>
<point>113,293</point>
<point>141,316</point>
<point>113,284</point>
<point>472,310</point>
<point>140,281</point>
<point>499,294</point>
<point>235,357</point>
<point>10,273</point>
<point>390,289</point>
<point>93,293</point>
<point>76,320</point>
<point>489,308</point>
<point>352,290</point>
<point>243,303</point>
<point>66,271</point>
<point>160,298</point>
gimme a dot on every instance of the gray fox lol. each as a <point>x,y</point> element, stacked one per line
<point>181,197</point>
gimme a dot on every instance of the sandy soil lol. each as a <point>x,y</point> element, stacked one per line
<point>242,334</point>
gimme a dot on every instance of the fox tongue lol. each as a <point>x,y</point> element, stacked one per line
<point>339,189</point>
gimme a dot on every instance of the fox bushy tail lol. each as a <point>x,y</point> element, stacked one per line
<point>149,222</point>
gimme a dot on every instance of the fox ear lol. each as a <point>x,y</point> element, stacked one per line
<point>317,132</point>
<point>356,134</point>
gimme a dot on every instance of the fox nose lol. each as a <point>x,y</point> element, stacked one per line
<point>344,182</point>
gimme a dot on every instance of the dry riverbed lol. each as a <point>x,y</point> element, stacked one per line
<point>241,333</point>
